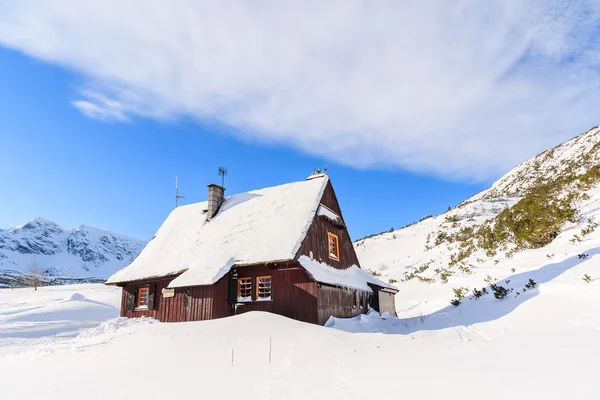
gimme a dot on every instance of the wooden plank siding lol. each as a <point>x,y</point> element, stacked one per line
<point>340,302</point>
<point>294,295</point>
<point>329,200</point>
<point>294,292</point>
<point>189,304</point>
<point>386,302</point>
<point>208,301</point>
<point>164,308</point>
<point>316,240</point>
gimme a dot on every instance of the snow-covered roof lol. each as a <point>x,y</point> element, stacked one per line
<point>353,277</point>
<point>259,226</point>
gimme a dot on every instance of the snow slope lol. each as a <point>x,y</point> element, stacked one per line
<point>84,252</point>
<point>411,256</point>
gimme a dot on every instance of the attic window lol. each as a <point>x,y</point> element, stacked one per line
<point>263,289</point>
<point>142,297</point>
<point>245,289</point>
<point>333,246</point>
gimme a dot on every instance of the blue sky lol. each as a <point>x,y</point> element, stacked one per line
<point>68,168</point>
<point>423,104</point>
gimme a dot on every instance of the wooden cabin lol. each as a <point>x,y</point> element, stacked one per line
<point>284,249</point>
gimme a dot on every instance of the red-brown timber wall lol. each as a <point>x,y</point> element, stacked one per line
<point>189,304</point>
<point>317,241</point>
<point>294,295</point>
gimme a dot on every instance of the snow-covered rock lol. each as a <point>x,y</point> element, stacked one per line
<point>63,255</point>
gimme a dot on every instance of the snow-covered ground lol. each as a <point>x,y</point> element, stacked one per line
<point>543,343</point>
<point>30,318</point>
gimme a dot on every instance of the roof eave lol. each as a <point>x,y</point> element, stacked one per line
<point>146,279</point>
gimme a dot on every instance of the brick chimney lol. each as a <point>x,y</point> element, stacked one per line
<point>216,196</point>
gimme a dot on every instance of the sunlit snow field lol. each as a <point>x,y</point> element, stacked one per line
<point>68,343</point>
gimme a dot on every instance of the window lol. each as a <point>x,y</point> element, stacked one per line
<point>263,288</point>
<point>354,299</point>
<point>245,289</point>
<point>142,297</point>
<point>333,247</point>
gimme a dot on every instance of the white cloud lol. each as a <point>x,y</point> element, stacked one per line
<point>462,89</point>
<point>100,108</point>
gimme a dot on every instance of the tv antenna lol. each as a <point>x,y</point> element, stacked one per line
<point>177,196</point>
<point>318,171</point>
<point>222,173</point>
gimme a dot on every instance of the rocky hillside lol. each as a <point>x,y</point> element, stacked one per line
<point>576,156</point>
<point>540,212</point>
<point>81,254</point>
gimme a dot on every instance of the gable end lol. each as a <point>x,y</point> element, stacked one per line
<point>316,241</point>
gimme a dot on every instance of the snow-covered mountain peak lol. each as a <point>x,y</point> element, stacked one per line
<point>39,223</point>
<point>85,251</point>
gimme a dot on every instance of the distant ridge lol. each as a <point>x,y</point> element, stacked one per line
<point>83,254</point>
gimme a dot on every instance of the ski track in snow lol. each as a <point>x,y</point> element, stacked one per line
<point>469,333</point>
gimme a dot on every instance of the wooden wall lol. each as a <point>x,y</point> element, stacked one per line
<point>165,309</point>
<point>209,301</point>
<point>387,303</point>
<point>316,238</point>
<point>190,304</point>
<point>382,301</point>
<point>294,295</point>
<point>339,302</point>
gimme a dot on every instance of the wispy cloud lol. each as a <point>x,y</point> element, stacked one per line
<point>98,107</point>
<point>462,89</point>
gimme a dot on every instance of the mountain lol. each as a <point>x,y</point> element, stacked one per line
<point>64,256</point>
<point>543,212</point>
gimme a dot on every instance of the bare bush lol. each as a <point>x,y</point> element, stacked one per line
<point>34,275</point>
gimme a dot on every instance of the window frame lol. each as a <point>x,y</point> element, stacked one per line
<point>138,305</point>
<point>258,278</point>
<point>336,240</point>
<point>239,288</point>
